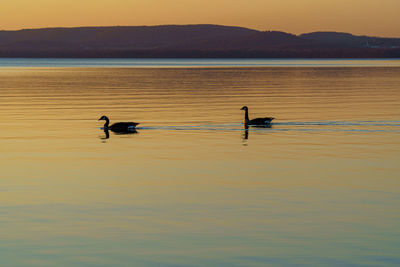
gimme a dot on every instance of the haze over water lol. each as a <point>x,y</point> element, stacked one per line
<point>193,187</point>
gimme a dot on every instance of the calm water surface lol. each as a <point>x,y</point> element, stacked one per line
<point>192,187</point>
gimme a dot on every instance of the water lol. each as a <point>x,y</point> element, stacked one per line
<point>192,187</point>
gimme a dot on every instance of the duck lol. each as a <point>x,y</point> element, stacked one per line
<point>266,122</point>
<point>119,127</point>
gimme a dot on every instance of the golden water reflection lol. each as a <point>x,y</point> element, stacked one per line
<point>194,187</point>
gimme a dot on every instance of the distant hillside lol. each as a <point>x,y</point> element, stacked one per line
<point>337,39</point>
<point>189,41</point>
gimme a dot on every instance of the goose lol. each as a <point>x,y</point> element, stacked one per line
<point>255,122</point>
<point>119,127</point>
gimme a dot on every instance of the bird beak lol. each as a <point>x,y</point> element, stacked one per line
<point>242,109</point>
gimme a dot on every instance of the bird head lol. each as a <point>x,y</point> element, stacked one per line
<point>103,118</point>
<point>244,108</point>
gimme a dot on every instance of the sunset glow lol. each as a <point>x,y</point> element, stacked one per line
<point>373,17</point>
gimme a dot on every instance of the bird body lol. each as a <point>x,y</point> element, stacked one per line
<point>119,127</point>
<point>255,122</point>
<point>260,121</point>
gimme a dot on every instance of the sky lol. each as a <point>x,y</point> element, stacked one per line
<point>361,17</point>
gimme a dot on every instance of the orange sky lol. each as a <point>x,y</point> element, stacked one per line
<point>369,17</point>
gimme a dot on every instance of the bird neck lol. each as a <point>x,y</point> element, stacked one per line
<point>107,123</point>
<point>246,116</point>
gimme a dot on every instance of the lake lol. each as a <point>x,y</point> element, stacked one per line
<point>192,187</point>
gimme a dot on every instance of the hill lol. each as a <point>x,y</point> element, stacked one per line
<point>337,39</point>
<point>189,41</point>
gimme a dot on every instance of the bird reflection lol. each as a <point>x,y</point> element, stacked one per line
<point>245,135</point>
<point>246,132</point>
<point>107,133</point>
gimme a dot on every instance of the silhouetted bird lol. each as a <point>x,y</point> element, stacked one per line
<point>119,127</point>
<point>255,122</point>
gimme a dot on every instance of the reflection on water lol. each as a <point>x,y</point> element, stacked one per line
<point>196,188</point>
<point>246,129</point>
<point>246,133</point>
<point>107,133</point>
